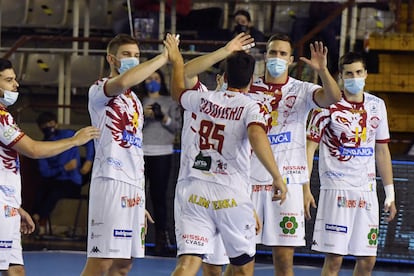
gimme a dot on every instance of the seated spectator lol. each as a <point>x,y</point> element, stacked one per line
<point>62,174</point>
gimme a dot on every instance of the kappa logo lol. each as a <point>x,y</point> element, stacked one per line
<point>95,249</point>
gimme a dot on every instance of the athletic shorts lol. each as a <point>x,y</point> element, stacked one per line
<point>283,225</point>
<point>219,257</point>
<point>347,223</point>
<point>204,209</point>
<point>116,221</point>
<point>10,237</point>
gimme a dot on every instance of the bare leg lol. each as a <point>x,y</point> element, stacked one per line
<point>120,267</point>
<point>96,266</point>
<point>364,266</point>
<point>243,270</point>
<point>212,270</point>
<point>331,265</point>
<point>283,260</point>
<point>14,270</point>
<point>187,265</point>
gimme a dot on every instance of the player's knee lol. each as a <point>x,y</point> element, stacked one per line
<point>241,260</point>
<point>188,264</point>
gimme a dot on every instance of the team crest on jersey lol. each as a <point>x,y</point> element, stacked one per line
<point>373,237</point>
<point>221,167</point>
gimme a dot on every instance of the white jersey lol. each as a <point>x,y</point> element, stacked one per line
<point>189,130</point>
<point>220,152</point>
<point>118,150</point>
<point>10,181</point>
<point>289,105</point>
<point>347,133</point>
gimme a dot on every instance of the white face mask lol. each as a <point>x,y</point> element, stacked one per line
<point>9,97</point>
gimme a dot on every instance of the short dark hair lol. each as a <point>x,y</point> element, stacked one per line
<point>349,58</point>
<point>282,37</point>
<point>244,13</point>
<point>45,117</point>
<point>119,40</point>
<point>239,69</point>
<point>5,64</point>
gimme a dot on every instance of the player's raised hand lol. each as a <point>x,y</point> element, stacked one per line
<point>242,41</point>
<point>171,42</point>
<point>319,56</point>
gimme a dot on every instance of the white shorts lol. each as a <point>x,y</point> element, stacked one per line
<point>10,237</point>
<point>204,209</point>
<point>346,223</point>
<point>283,225</point>
<point>116,221</point>
<point>219,257</point>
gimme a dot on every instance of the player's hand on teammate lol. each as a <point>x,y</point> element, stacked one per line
<point>86,134</point>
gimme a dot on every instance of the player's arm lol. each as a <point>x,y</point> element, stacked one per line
<point>200,64</point>
<point>384,166</point>
<point>177,74</point>
<point>261,147</point>
<point>308,199</point>
<point>42,149</point>
<point>134,76</point>
<point>330,92</point>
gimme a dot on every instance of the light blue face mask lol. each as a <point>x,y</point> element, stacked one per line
<point>127,63</point>
<point>276,66</point>
<point>9,97</point>
<point>354,85</point>
<point>224,86</point>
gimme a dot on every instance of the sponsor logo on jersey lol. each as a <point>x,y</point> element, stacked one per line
<point>333,174</point>
<point>131,202</point>
<point>224,203</point>
<point>95,223</point>
<point>131,139</point>
<point>115,163</point>
<point>289,225</point>
<point>95,236</point>
<point>122,233</point>
<point>199,200</point>
<point>95,249</point>
<point>373,237</point>
<point>202,163</point>
<point>6,244</point>
<point>10,211</point>
<point>356,151</point>
<point>336,228</point>
<point>294,169</point>
<point>7,190</point>
<point>343,202</point>
<point>9,132</point>
<point>194,239</point>
<point>280,138</point>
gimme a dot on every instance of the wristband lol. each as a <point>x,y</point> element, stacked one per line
<point>389,194</point>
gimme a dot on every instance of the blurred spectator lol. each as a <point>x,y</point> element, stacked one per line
<point>161,125</point>
<point>63,174</point>
<point>244,24</point>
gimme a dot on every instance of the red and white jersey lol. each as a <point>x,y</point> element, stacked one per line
<point>289,105</point>
<point>118,150</point>
<point>347,133</point>
<point>189,130</point>
<point>220,151</point>
<point>10,181</point>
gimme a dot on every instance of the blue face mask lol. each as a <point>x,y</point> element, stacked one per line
<point>224,86</point>
<point>354,85</point>
<point>153,86</point>
<point>276,66</point>
<point>127,63</point>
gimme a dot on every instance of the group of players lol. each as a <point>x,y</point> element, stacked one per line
<point>245,161</point>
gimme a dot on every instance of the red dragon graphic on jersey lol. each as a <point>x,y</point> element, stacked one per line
<point>9,157</point>
<point>345,129</point>
<point>123,121</point>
